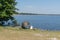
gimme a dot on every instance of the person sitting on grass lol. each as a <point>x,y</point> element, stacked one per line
<point>26,25</point>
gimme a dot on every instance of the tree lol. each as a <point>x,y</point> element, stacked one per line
<point>7,9</point>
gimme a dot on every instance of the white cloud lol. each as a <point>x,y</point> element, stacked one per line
<point>33,9</point>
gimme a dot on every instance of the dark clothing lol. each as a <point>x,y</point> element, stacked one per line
<point>26,27</point>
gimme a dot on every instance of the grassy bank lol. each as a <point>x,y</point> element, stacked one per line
<point>10,33</point>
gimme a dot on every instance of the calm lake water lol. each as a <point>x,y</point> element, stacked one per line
<point>46,22</point>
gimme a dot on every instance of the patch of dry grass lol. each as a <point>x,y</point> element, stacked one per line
<point>10,33</point>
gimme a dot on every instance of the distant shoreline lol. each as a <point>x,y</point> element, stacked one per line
<point>38,14</point>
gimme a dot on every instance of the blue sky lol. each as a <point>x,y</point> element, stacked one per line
<point>39,6</point>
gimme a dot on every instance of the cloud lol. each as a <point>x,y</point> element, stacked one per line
<point>40,10</point>
<point>29,9</point>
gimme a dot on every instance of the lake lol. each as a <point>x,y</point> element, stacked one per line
<point>45,22</point>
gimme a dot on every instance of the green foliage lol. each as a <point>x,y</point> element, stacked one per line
<point>7,9</point>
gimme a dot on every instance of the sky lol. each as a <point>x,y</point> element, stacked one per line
<point>39,6</point>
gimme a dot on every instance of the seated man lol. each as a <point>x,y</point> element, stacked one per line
<point>26,25</point>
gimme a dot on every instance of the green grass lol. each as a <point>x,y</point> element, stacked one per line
<point>14,33</point>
